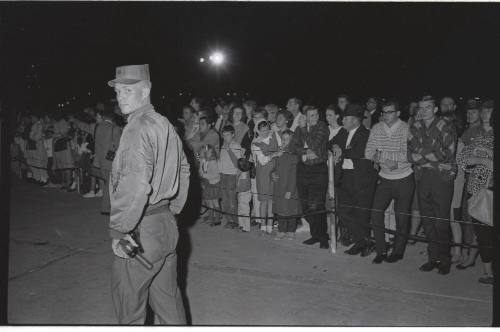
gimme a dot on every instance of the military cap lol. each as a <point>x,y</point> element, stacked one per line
<point>130,74</point>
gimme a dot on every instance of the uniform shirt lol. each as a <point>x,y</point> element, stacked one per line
<point>433,147</point>
<point>150,168</point>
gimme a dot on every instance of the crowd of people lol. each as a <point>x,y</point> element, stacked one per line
<point>406,169</point>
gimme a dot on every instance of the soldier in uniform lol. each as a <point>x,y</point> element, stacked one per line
<point>148,187</point>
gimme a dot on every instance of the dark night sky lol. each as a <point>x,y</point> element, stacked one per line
<point>315,50</point>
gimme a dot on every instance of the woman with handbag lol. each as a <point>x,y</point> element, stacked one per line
<point>477,160</point>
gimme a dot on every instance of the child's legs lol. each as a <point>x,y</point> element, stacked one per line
<point>255,200</point>
<point>244,209</point>
<point>291,225</point>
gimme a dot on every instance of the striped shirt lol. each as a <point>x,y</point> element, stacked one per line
<point>392,144</point>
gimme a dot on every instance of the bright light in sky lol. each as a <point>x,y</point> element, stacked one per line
<point>217,58</point>
<point>202,60</point>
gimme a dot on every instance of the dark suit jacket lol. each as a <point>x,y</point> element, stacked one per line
<point>364,172</point>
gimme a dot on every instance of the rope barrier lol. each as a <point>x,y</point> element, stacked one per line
<point>371,226</point>
<point>256,150</point>
<point>359,207</point>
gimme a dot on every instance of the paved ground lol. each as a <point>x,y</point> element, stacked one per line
<point>60,259</point>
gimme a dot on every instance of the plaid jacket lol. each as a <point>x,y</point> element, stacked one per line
<point>433,147</point>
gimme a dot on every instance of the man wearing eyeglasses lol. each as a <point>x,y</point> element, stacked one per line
<point>387,146</point>
<point>431,147</point>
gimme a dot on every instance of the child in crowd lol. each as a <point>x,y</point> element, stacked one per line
<point>265,149</point>
<point>228,166</point>
<point>285,200</point>
<point>210,182</point>
<point>48,144</point>
<point>244,194</point>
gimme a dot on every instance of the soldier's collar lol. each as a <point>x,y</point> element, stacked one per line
<point>139,111</point>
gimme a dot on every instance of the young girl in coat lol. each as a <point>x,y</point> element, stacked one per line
<point>210,183</point>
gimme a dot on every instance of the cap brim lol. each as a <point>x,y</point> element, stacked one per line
<point>122,81</point>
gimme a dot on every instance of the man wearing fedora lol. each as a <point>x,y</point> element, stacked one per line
<point>148,187</point>
<point>357,180</point>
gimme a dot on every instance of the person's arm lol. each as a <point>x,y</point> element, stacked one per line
<point>444,147</point>
<point>177,204</point>
<point>414,149</point>
<point>232,154</point>
<point>261,158</point>
<point>297,143</point>
<point>371,145</point>
<point>130,192</point>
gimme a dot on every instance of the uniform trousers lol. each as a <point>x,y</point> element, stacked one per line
<point>133,286</point>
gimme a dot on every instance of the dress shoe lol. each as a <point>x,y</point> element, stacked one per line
<point>356,249</point>
<point>429,266</point>
<point>311,241</point>
<point>444,268</point>
<point>486,280</point>
<point>379,259</point>
<point>324,245</point>
<point>393,258</point>
<point>368,249</point>
<point>463,266</point>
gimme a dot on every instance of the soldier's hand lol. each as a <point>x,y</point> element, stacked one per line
<point>117,249</point>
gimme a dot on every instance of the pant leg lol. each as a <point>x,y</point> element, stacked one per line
<point>164,295</point>
<point>485,238</point>
<point>291,225</point>
<point>345,202</point>
<point>442,193</point>
<point>130,282</point>
<point>226,200</point>
<point>404,190</point>
<point>255,200</point>
<point>383,196</point>
<point>317,187</point>
<point>282,224</point>
<point>363,199</point>
<point>302,188</point>
<point>244,209</point>
<point>105,201</point>
<point>426,209</point>
<point>233,198</point>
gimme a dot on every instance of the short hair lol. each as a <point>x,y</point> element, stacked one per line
<point>206,119</point>
<point>189,107</point>
<point>228,129</point>
<point>449,97</point>
<point>287,115</point>
<point>272,106</point>
<point>261,110</point>
<point>428,98</point>
<point>392,102</point>
<point>312,108</point>
<point>243,114</point>
<point>250,103</point>
<point>343,95</point>
<point>263,124</point>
